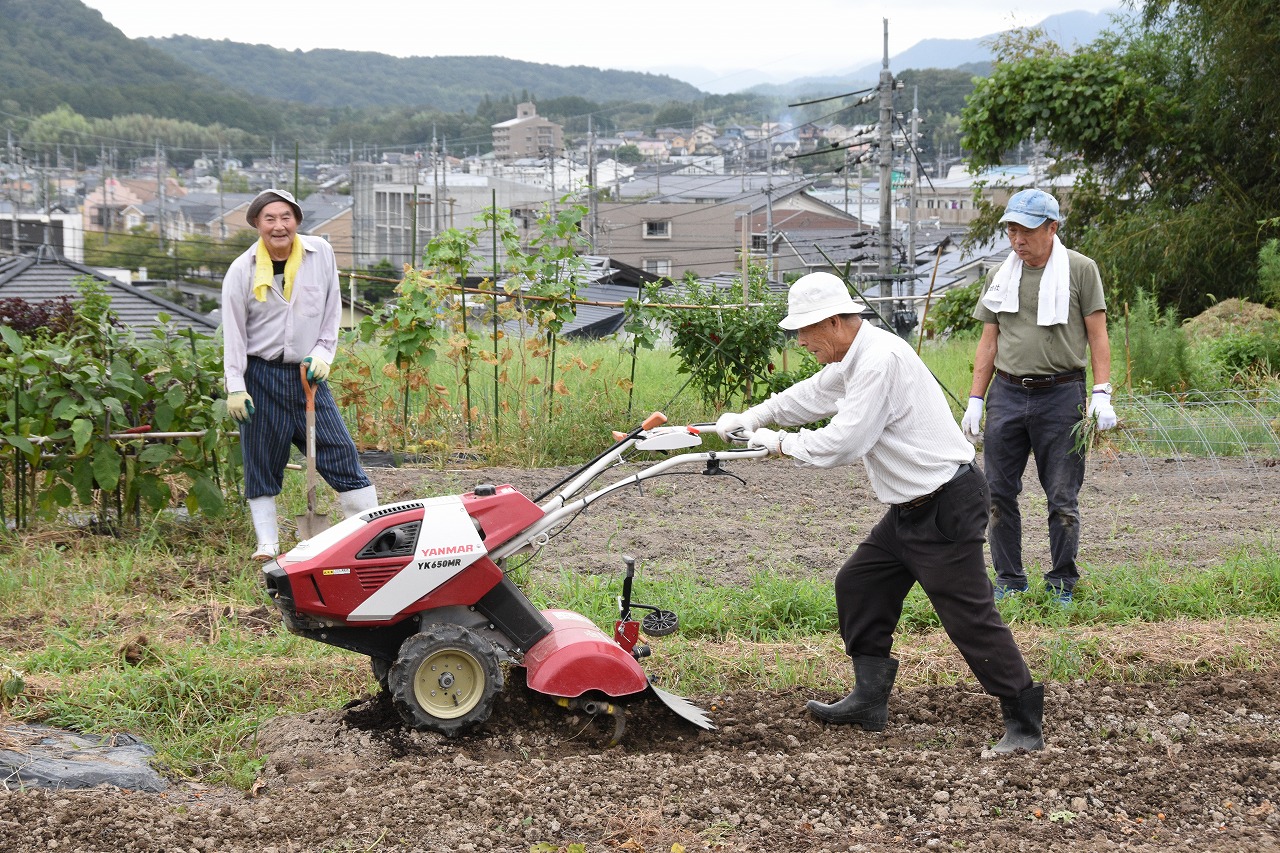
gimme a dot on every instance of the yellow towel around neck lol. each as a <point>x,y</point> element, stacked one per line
<point>263,274</point>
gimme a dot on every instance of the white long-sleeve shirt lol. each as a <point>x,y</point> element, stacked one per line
<point>305,325</point>
<point>885,409</point>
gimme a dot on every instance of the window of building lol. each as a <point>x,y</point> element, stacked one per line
<point>759,243</point>
<point>657,229</point>
<point>658,266</point>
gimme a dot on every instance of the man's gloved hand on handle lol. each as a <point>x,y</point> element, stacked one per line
<point>769,439</point>
<point>731,422</point>
<point>240,406</point>
<point>317,369</point>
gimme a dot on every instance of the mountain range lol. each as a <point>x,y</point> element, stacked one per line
<point>357,79</point>
<point>61,52</point>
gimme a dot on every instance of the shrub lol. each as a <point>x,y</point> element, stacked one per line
<point>1156,354</point>
<point>1246,357</point>
<point>727,347</point>
<point>952,315</point>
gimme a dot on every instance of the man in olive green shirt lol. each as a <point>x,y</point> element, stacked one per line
<point>1043,314</point>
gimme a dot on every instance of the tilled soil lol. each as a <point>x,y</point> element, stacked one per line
<point>1192,765</point>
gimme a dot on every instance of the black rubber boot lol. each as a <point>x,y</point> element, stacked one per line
<point>1023,721</point>
<point>868,704</point>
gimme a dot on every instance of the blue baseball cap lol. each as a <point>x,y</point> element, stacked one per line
<point>1030,208</point>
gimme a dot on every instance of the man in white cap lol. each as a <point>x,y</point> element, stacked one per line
<point>281,307</point>
<point>886,409</point>
<point>1042,309</point>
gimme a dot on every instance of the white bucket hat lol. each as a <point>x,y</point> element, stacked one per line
<point>815,297</point>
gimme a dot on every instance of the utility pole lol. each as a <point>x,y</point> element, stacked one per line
<point>591,182</point>
<point>768,220</point>
<point>886,171</point>
<point>909,290</point>
<point>435,185</point>
<point>413,239</point>
<point>444,178</point>
<point>160,195</point>
<point>222,205</point>
<point>15,155</point>
<point>104,212</point>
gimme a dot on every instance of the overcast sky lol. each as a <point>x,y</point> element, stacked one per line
<point>709,41</point>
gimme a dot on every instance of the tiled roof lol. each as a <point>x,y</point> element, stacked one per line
<point>44,276</point>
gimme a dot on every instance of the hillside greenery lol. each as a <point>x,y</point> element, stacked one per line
<point>60,52</point>
<point>360,79</point>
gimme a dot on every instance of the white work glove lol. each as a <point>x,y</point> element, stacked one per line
<point>769,439</point>
<point>317,369</point>
<point>971,423</point>
<point>1100,406</point>
<point>732,422</point>
<point>240,406</point>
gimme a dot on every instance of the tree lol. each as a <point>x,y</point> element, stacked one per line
<point>1164,122</point>
<point>629,154</point>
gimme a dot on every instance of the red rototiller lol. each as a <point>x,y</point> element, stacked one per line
<point>420,587</point>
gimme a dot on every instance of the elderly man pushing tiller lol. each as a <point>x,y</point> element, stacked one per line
<point>886,409</point>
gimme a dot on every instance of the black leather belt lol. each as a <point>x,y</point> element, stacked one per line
<point>924,499</point>
<point>1043,381</point>
<point>278,361</point>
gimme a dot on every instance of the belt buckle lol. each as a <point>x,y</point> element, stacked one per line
<point>1028,382</point>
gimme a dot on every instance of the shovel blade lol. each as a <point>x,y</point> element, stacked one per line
<point>311,524</point>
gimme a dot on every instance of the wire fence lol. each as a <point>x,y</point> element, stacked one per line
<point>1213,438</point>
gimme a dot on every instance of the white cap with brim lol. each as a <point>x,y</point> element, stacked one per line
<point>815,297</point>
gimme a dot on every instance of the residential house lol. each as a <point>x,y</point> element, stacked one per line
<point>704,137</point>
<point>949,200</point>
<point>669,224</point>
<point>605,281</point>
<point>23,232</point>
<point>104,206</point>
<point>653,150</point>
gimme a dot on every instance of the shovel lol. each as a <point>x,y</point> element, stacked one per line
<point>312,523</point>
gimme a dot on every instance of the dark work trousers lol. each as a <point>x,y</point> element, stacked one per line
<point>1043,421</point>
<point>280,420</point>
<point>939,546</point>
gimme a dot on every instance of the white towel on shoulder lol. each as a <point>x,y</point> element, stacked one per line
<point>1055,287</point>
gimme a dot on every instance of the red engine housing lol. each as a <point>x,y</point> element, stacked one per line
<point>333,575</point>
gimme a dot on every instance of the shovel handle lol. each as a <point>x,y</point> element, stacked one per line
<point>307,387</point>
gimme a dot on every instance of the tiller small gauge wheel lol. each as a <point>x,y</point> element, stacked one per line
<point>660,623</point>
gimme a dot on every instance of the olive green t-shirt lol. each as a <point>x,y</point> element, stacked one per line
<point>1027,349</point>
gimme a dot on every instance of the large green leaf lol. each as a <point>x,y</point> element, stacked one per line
<point>12,340</point>
<point>81,433</point>
<point>205,496</point>
<point>156,454</point>
<point>106,467</point>
<point>20,442</point>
